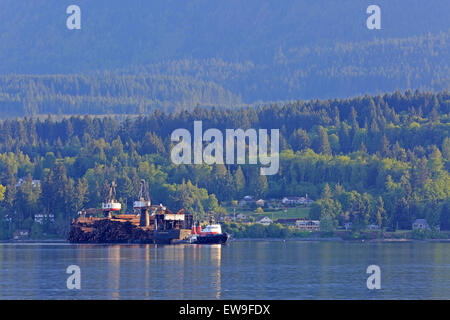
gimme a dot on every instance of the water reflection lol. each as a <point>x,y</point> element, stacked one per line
<point>147,269</point>
<point>240,270</point>
<point>187,267</point>
<point>152,271</point>
<point>211,255</point>
<point>113,271</point>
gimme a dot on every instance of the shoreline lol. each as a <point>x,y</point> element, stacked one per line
<point>35,241</point>
<point>309,239</point>
<point>296,239</point>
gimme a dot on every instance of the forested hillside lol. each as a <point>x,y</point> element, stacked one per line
<point>372,159</point>
<point>107,94</point>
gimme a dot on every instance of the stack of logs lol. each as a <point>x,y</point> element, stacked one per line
<point>116,230</point>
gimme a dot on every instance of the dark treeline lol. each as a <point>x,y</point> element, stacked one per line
<point>106,93</point>
<point>372,159</point>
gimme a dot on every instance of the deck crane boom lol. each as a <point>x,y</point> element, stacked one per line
<point>111,204</point>
<point>143,204</point>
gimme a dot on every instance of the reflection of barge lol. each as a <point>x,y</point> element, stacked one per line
<point>153,223</point>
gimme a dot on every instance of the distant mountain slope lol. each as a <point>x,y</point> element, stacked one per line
<point>341,70</point>
<point>119,33</point>
<point>137,56</point>
<point>346,69</point>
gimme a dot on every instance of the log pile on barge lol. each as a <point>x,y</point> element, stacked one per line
<point>150,223</point>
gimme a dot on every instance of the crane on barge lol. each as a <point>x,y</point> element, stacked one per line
<point>143,204</point>
<point>111,204</point>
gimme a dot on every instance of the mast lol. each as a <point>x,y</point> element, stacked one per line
<point>143,204</point>
<point>111,204</point>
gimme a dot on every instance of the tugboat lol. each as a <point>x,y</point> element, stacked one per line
<point>212,234</point>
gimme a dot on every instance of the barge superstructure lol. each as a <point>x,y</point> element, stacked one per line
<point>149,224</point>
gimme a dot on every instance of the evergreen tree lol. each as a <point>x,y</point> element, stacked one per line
<point>300,140</point>
<point>2,193</point>
<point>385,147</point>
<point>326,194</point>
<point>324,145</point>
<point>239,182</point>
<point>380,212</point>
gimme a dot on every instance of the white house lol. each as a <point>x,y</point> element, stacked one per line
<point>34,183</point>
<point>40,218</point>
<point>291,200</point>
<point>260,203</point>
<point>296,200</point>
<point>21,234</point>
<point>421,224</point>
<point>248,200</point>
<point>265,221</point>
<point>308,225</point>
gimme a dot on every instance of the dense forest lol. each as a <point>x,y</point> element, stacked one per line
<point>380,159</point>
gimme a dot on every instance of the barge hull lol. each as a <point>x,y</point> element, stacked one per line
<point>124,229</point>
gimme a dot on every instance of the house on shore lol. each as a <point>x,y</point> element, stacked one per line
<point>420,224</point>
<point>265,221</point>
<point>295,201</point>
<point>308,225</point>
<point>40,218</point>
<point>225,219</point>
<point>34,183</point>
<point>21,234</point>
<point>260,203</point>
<point>241,217</point>
<point>247,201</point>
<point>291,201</point>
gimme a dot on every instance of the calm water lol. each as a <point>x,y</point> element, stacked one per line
<point>239,270</point>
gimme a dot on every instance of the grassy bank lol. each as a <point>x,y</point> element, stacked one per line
<point>285,213</point>
<point>278,231</point>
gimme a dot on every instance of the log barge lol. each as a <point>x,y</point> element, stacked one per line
<point>150,223</point>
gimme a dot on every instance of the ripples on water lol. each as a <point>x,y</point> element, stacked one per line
<point>239,270</point>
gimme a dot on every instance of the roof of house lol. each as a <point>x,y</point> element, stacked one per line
<point>22,231</point>
<point>22,180</point>
<point>422,221</point>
